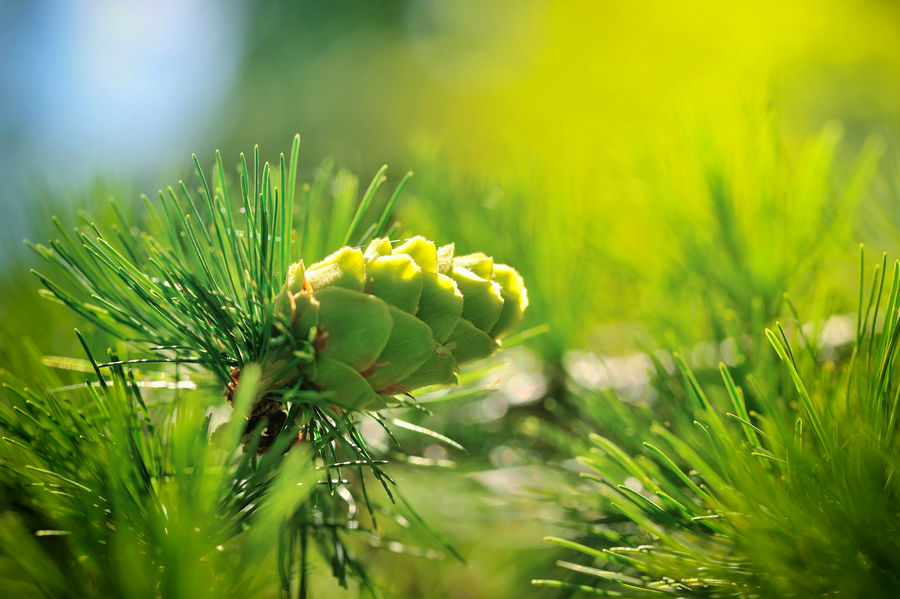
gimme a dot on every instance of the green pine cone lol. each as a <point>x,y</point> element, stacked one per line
<point>392,320</point>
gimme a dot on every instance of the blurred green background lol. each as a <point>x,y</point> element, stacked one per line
<point>661,174</point>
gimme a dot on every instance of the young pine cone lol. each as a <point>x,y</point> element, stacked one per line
<point>392,320</point>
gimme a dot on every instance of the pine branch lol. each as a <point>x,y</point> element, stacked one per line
<point>795,494</point>
<point>216,280</point>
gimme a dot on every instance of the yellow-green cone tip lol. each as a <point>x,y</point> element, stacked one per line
<point>344,268</point>
<point>422,251</point>
<point>395,279</point>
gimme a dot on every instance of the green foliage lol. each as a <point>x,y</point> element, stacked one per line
<point>105,494</point>
<point>212,289</point>
<point>746,217</point>
<point>781,486</point>
<point>197,279</point>
<point>564,151</point>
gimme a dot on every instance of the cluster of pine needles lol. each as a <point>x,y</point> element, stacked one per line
<point>780,480</point>
<point>126,484</point>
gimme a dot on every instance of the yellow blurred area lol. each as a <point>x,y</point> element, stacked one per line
<point>634,137</point>
<point>572,82</point>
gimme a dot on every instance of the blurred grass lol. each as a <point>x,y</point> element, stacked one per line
<point>696,241</point>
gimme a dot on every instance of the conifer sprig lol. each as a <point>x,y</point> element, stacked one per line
<point>107,497</point>
<point>199,284</point>
<point>216,278</point>
<point>788,489</point>
<point>196,281</point>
